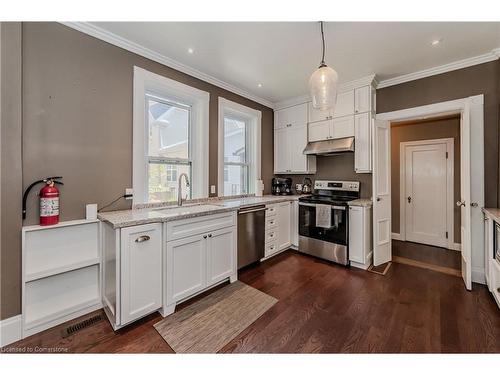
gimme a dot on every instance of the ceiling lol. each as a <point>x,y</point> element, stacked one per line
<point>281,55</point>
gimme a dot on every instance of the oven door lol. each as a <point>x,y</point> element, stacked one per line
<point>337,233</point>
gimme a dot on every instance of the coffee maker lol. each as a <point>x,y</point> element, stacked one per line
<point>281,186</point>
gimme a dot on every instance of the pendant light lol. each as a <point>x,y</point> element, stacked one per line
<point>323,83</point>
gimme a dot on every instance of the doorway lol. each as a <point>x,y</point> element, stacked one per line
<point>471,199</point>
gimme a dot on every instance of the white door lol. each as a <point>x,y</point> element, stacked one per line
<point>465,201</point>
<point>297,137</point>
<point>382,249</point>
<point>221,255</point>
<point>186,267</point>
<point>284,224</point>
<point>281,151</point>
<point>425,193</point>
<point>141,271</point>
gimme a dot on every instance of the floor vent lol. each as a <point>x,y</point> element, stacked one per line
<point>74,328</point>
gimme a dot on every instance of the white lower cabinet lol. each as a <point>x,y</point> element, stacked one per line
<point>284,216</point>
<point>295,224</point>
<point>132,272</point>
<point>360,236</point>
<point>281,230</point>
<point>204,257</point>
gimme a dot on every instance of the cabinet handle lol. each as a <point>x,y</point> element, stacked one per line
<point>210,235</point>
<point>142,239</point>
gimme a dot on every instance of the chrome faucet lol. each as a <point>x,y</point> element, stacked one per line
<point>179,194</point>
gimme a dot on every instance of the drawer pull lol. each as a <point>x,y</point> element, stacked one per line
<point>142,239</point>
<point>210,235</point>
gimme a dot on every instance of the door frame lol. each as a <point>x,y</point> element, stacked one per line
<point>471,110</point>
<point>450,163</point>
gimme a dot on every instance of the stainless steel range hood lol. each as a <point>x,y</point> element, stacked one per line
<point>330,146</point>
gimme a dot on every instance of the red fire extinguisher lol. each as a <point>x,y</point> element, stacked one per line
<point>49,204</point>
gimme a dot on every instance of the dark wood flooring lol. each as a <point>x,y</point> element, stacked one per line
<point>437,256</point>
<point>325,308</point>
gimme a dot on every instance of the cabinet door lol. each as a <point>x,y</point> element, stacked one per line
<point>295,224</point>
<point>186,267</point>
<point>281,151</point>
<point>141,271</point>
<point>356,238</point>
<point>345,104</point>
<point>315,114</point>
<point>291,116</point>
<point>488,248</point>
<point>284,225</point>
<point>342,127</point>
<point>297,137</point>
<point>319,131</point>
<point>362,143</point>
<point>221,255</point>
<point>362,98</point>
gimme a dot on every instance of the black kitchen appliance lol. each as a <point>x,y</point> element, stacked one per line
<point>281,186</point>
<point>324,220</point>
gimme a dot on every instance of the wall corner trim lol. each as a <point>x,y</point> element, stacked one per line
<point>107,36</point>
<point>11,330</point>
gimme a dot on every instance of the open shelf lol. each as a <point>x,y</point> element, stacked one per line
<point>61,269</point>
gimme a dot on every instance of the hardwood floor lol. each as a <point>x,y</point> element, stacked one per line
<point>437,256</point>
<point>324,308</point>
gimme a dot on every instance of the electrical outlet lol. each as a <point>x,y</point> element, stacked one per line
<point>212,189</point>
<point>129,192</point>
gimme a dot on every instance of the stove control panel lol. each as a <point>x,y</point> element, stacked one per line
<point>336,185</point>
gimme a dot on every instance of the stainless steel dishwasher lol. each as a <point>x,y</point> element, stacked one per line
<point>251,226</point>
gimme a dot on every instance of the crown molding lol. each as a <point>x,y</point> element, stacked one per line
<point>364,81</point>
<point>471,61</point>
<point>109,37</point>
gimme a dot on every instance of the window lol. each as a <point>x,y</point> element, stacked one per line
<point>168,148</point>
<point>170,137</point>
<point>239,148</point>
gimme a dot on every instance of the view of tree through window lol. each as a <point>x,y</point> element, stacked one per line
<point>236,167</point>
<point>168,148</point>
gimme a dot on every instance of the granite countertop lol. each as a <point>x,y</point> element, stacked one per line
<point>493,213</point>
<point>155,214</point>
<point>362,202</point>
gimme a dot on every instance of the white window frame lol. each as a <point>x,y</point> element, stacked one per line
<point>145,83</point>
<point>253,119</point>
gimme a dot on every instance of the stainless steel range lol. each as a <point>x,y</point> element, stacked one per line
<point>324,220</point>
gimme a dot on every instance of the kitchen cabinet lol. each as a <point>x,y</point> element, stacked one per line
<point>201,254</point>
<point>362,99</point>
<point>343,107</point>
<point>360,236</point>
<point>283,217</point>
<point>331,129</point>
<point>488,248</point>
<point>290,139</point>
<point>363,143</point>
<point>291,116</point>
<point>295,224</point>
<point>132,272</point>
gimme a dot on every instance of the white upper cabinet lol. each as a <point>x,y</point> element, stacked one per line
<point>316,115</point>
<point>362,99</point>
<point>340,127</point>
<point>319,131</point>
<point>363,143</point>
<point>344,107</point>
<point>291,116</point>
<point>290,139</point>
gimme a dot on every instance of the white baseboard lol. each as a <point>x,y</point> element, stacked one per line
<point>478,275</point>
<point>10,330</point>
<point>456,247</point>
<point>396,236</point>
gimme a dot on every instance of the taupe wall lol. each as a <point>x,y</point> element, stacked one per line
<point>475,80</point>
<point>11,177</point>
<point>77,123</point>
<point>418,131</point>
<point>338,167</point>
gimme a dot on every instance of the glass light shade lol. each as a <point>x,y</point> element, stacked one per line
<point>323,87</point>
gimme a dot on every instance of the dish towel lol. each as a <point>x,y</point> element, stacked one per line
<point>324,216</point>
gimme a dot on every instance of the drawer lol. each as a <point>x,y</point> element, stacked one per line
<point>271,248</point>
<point>271,209</point>
<point>271,235</point>
<point>271,222</point>
<point>197,225</point>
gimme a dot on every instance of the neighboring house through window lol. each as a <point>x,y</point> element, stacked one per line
<point>239,148</point>
<point>170,138</point>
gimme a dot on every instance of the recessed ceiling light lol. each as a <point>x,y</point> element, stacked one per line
<point>259,85</point>
<point>190,50</point>
<point>435,42</point>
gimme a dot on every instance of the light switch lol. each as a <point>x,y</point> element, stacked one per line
<point>212,189</point>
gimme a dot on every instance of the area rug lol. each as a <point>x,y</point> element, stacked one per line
<point>209,324</point>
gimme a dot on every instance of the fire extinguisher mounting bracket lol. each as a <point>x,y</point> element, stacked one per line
<point>28,189</point>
